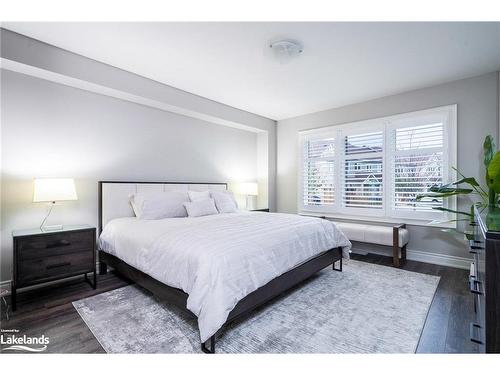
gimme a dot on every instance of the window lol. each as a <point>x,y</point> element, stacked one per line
<point>362,177</point>
<point>376,168</point>
<point>319,172</point>
<point>417,164</point>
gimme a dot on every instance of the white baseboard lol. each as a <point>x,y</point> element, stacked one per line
<point>426,257</point>
<point>440,259</point>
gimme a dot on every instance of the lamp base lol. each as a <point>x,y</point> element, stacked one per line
<point>251,202</point>
<point>50,228</point>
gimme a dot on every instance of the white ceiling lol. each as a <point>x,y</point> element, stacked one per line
<point>342,63</point>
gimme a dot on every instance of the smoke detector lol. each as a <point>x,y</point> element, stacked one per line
<point>286,50</point>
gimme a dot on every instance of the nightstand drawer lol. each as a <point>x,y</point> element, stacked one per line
<point>36,247</point>
<point>49,267</point>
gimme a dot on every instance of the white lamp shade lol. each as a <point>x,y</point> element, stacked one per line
<point>54,189</point>
<point>248,188</point>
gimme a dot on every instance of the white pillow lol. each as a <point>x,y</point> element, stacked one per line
<point>201,208</point>
<point>224,201</point>
<point>198,195</point>
<point>153,206</point>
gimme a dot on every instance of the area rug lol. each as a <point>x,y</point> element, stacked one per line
<point>367,308</point>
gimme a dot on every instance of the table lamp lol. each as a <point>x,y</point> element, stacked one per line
<point>250,190</point>
<point>53,190</point>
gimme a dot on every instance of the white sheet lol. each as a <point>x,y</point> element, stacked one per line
<point>219,259</point>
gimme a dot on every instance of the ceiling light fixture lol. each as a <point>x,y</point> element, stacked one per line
<point>285,50</point>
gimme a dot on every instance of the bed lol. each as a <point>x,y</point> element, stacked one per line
<point>216,267</point>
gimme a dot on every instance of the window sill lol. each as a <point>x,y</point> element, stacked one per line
<point>381,220</point>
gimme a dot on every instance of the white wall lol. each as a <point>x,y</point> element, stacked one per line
<point>477,100</point>
<point>30,56</point>
<point>53,130</point>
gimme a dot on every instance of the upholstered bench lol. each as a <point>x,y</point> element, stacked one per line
<point>396,236</point>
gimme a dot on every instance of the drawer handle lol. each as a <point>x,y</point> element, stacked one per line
<point>35,246</point>
<point>474,327</point>
<point>58,244</point>
<point>474,245</point>
<point>475,286</point>
<point>57,265</point>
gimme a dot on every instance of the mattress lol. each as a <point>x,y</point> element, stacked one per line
<point>219,259</point>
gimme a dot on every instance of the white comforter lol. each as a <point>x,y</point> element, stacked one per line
<point>219,259</point>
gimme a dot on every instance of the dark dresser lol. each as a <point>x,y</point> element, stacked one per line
<point>484,279</point>
<point>41,256</point>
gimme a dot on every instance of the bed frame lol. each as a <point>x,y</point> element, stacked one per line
<point>178,297</point>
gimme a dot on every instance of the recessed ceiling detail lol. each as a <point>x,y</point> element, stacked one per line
<point>342,63</point>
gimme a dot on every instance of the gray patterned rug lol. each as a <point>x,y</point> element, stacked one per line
<point>365,309</point>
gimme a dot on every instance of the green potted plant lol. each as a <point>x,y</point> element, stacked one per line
<point>480,196</point>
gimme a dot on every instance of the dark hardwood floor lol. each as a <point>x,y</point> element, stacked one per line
<point>49,311</point>
<point>446,329</point>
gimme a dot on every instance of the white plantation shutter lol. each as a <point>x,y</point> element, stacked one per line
<point>376,168</point>
<point>319,172</point>
<point>417,164</point>
<point>362,182</point>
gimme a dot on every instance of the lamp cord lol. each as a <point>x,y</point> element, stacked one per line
<point>47,216</point>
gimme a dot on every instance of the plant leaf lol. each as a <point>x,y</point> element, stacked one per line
<point>467,180</point>
<point>444,189</point>
<point>450,210</point>
<point>493,173</point>
<point>489,149</point>
<point>477,188</point>
<point>452,187</point>
<point>437,222</point>
<point>442,195</point>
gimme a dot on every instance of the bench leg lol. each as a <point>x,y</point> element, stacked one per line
<point>395,255</point>
<point>403,253</point>
<point>395,246</point>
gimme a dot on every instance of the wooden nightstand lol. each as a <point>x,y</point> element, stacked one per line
<point>261,209</point>
<point>41,256</point>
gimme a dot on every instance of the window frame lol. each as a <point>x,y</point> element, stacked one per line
<point>321,133</point>
<point>388,124</point>
<point>303,160</point>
